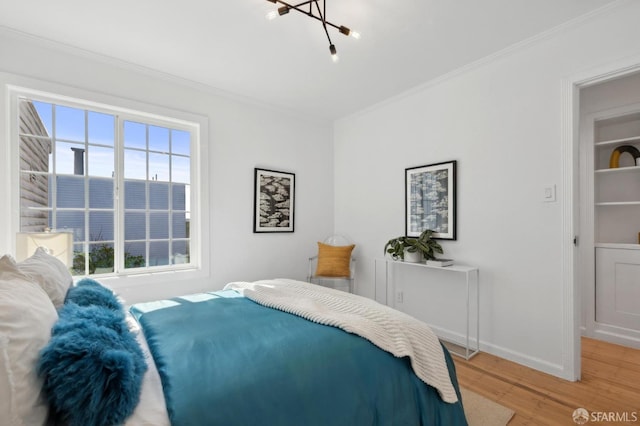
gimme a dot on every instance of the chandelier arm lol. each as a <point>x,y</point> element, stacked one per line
<point>304,2</point>
<point>324,22</point>
<point>296,6</point>
<point>292,5</point>
<point>309,14</point>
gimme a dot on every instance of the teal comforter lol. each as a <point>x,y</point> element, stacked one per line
<point>225,360</point>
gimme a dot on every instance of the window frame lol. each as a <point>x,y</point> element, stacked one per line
<point>123,109</point>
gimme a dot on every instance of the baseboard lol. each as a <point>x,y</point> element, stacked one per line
<point>612,334</point>
<point>508,354</point>
<point>453,337</point>
<point>527,360</point>
<point>617,336</point>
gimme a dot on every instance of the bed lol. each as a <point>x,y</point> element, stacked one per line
<point>278,352</point>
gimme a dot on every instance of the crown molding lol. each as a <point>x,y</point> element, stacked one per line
<point>153,73</point>
<point>500,54</point>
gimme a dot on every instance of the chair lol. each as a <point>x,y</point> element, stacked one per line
<point>333,266</point>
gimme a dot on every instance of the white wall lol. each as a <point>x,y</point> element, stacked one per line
<point>241,136</point>
<point>501,120</point>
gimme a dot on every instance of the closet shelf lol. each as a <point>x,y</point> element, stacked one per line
<point>617,141</point>
<point>629,169</point>
<point>619,203</point>
<point>624,246</point>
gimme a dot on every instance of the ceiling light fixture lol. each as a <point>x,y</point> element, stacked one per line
<point>320,16</point>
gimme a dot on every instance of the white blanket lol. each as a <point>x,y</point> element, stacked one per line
<point>387,328</point>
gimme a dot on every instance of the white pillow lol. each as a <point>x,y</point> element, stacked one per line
<point>9,269</point>
<point>50,273</point>
<point>7,403</point>
<point>26,318</point>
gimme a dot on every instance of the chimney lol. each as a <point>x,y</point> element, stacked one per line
<point>78,161</point>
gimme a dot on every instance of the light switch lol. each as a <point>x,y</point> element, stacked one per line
<point>549,193</point>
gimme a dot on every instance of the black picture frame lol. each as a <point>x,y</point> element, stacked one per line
<point>430,200</point>
<point>273,201</point>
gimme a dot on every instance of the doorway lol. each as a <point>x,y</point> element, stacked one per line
<point>579,263</point>
<point>608,273</point>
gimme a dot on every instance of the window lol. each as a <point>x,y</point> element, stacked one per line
<point>120,181</point>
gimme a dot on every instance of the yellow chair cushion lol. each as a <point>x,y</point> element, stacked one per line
<point>334,261</point>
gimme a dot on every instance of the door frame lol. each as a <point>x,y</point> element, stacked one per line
<point>571,207</point>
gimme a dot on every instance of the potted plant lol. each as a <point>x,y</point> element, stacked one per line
<point>412,249</point>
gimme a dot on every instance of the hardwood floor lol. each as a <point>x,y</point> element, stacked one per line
<point>610,386</point>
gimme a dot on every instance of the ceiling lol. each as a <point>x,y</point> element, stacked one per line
<point>230,46</point>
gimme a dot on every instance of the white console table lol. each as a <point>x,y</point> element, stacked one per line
<point>471,274</point>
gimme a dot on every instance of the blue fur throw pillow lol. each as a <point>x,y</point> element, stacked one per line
<point>90,292</point>
<point>92,367</point>
<point>72,317</point>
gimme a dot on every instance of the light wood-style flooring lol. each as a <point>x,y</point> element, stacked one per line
<point>610,383</point>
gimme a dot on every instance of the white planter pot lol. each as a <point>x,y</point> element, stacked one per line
<point>415,257</point>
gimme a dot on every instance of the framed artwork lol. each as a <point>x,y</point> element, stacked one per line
<point>430,201</point>
<point>273,201</point>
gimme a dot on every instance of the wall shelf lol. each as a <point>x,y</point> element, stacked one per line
<point>616,190</point>
<point>630,169</point>
<point>621,246</point>
<point>617,141</point>
<point>619,203</point>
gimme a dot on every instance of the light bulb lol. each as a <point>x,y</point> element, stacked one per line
<point>348,32</point>
<point>334,53</point>
<point>272,15</point>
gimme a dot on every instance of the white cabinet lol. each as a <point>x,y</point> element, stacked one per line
<point>615,304</point>
<point>618,288</point>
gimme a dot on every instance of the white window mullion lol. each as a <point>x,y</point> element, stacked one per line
<point>147,191</point>
<point>118,188</point>
<point>193,203</point>
<point>170,209</point>
<point>85,179</point>
<point>53,184</point>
